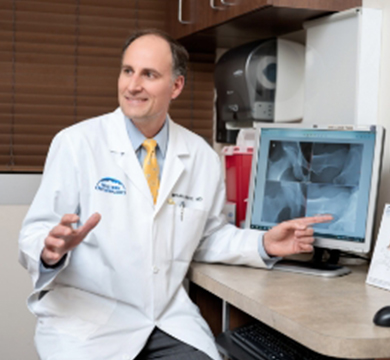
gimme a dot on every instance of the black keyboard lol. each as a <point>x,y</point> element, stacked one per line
<point>265,343</point>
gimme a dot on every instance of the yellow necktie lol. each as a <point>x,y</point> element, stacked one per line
<point>151,169</point>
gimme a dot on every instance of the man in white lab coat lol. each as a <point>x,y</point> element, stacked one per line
<point>106,252</point>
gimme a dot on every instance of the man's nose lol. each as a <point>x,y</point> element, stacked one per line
<point>134,84</point>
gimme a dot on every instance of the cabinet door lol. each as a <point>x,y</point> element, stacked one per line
<point>182,17</point>
<point>186,17</point>
<point>197,15</point>
<point>215,12</point>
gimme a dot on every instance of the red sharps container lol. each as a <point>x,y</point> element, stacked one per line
<point>238,163</point>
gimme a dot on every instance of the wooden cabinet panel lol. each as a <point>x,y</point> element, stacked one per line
<point>207,16</point>
<point>181,21</point>
<point>196,15</point>
<point>271,17</point>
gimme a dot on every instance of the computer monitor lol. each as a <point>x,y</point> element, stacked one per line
<point>307,170</point>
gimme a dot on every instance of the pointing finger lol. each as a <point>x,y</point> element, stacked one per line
<point>84,230</point>
<point>303,223</point>
<point>317,219</point>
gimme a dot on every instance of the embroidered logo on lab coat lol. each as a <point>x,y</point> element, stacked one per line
<point>110,185</point>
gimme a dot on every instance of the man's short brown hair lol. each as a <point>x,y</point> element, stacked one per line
<point>179,53</point>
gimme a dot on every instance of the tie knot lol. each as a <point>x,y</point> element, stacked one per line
<point>149,144</point>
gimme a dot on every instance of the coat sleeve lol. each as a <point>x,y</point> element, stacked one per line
<point>57,195</point>
<point>223,242</point>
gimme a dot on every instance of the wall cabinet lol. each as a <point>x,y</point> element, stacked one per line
<point>189,16</point>
<point>226,23</point>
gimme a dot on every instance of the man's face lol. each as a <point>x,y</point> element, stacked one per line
<point>146,83</point>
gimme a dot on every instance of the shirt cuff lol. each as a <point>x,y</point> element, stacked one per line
<point>45,270</point>
<point>48,268</point>
<point>268,260</point>
<point>48,273</point>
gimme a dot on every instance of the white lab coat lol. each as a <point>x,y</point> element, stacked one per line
<point>126,277</point>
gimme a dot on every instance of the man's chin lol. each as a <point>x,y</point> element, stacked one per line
<point>135,115</point>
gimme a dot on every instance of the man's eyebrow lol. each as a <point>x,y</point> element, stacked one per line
<point>144,70</point>
<point>151,70</point>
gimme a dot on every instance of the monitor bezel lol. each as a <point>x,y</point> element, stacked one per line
<point>322,242</point>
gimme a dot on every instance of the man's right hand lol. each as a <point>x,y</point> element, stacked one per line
<point>63,237</point>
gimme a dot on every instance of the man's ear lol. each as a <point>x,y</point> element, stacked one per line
<point>178,86</point>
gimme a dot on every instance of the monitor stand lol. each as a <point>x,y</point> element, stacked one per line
<point>317,265</point>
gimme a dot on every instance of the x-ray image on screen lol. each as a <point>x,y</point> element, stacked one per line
<point>289,161</point>
<point>336,164</point>
<point>305,179</point>
<point>340,201</point>
<point>284,201</point>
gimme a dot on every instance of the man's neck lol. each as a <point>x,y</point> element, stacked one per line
<point>149,128</point>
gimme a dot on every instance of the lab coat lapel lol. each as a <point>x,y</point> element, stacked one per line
<point>173,165</point>
<point>124,154</point>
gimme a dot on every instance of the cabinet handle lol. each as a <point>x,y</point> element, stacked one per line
<point>216,7</point>
<point>228,3</point>
<point>180,15</point>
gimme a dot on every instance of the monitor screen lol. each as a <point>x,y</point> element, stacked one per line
<point>306,171</point>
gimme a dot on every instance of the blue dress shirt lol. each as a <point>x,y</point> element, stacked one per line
<point>137,138</point>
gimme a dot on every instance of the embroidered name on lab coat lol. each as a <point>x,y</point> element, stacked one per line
<point>187,197</point>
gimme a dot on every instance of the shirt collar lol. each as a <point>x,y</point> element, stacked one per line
<point>137,138</point>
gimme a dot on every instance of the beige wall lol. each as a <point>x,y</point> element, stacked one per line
<point>17,323</point>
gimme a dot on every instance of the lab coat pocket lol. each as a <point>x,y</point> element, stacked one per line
<point>189,225</point>
<point>74,312</point>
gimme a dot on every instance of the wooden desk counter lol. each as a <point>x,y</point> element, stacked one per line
<point>332,316</point>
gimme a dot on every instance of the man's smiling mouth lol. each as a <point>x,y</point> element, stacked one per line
<point>135,100</point>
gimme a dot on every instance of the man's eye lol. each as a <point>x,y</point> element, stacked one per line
<point>127,71</point>
<point>150,75</point>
